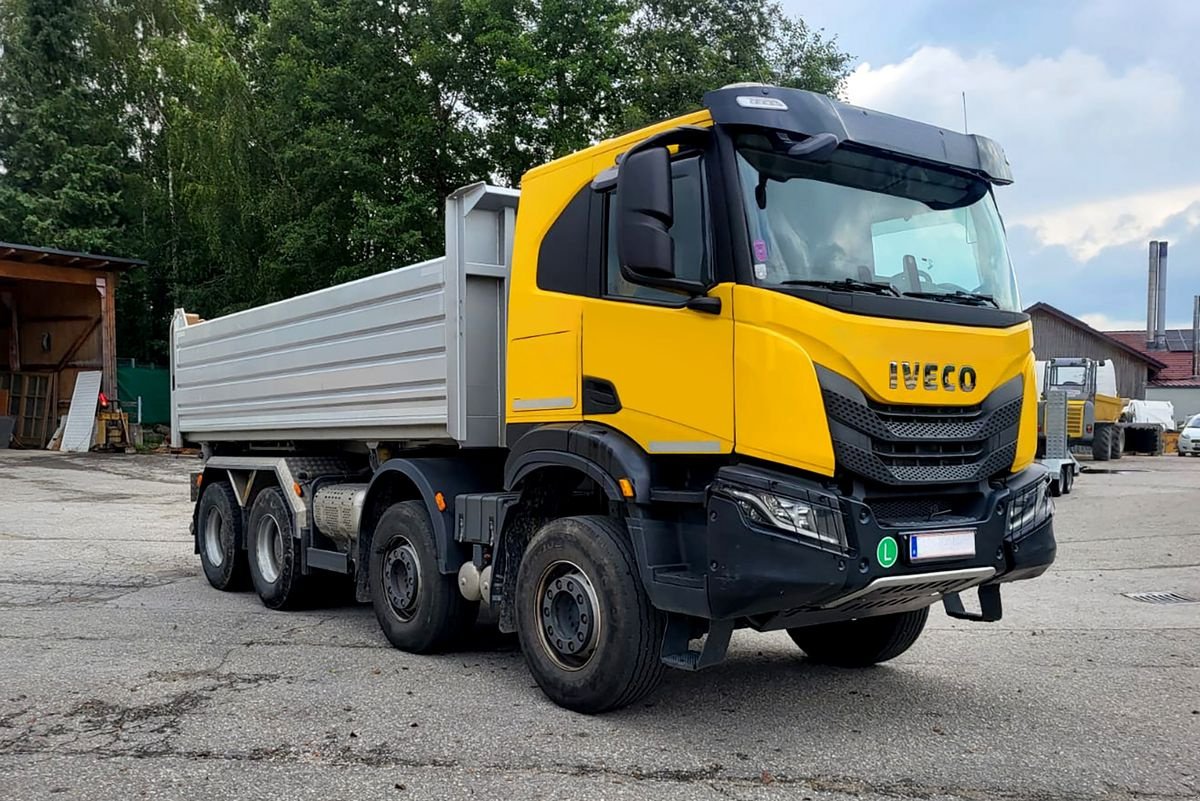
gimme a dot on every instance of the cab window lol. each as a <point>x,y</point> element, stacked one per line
<point>688,232</point>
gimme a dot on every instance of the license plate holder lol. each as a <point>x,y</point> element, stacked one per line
<point>937,546</point>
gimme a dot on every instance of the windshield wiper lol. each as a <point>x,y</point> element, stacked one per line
<point>844,285</point>
<point>957,296</point>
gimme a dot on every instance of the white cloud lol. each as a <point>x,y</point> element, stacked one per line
<point>1103,322</point>
<point>1087,229</point>
<point>1091,148</point>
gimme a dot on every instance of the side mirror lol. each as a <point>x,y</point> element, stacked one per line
<point>645,212</point>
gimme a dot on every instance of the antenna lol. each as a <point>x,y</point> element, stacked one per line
<point>964,99</point>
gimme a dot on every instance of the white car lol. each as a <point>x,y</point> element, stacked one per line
<point>1189,437</point>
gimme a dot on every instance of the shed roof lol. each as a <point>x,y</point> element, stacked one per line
<point>1116,342</point>
<point>29,254</point>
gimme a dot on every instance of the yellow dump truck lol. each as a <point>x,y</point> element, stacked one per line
<point>761,366</point>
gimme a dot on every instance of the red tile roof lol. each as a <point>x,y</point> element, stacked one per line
<point>1178,364</point>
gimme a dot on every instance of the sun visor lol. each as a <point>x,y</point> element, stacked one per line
<point>809,113</point>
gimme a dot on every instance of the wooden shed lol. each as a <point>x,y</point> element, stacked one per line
<point>57,318</point>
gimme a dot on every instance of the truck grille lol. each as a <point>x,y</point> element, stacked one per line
<point>900,444</point>
<point>1075,419</point>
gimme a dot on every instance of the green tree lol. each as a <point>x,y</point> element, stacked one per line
<point>679,49</point>
<point>254,149</point>
<point>63,151</point>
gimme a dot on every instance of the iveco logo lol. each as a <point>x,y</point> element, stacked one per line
<point>930,376</point>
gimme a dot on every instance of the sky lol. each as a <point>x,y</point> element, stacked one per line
<point>1097,104</point>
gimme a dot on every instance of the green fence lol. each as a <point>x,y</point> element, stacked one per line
<point>153,385</point>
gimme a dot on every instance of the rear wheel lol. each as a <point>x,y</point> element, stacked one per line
<point>863,642</point>
<point>1118,442</point>
<point>275,553</point>
<point>219,528</point>
<point>589,634</point>
<point>1102,443</point>
<point>419,609</point>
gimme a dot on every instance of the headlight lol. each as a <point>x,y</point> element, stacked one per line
<point>1029,509</point>
<point>809,520</point>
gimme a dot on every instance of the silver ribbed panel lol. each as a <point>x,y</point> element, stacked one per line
<point>370,353</point>
<point>382,358</point>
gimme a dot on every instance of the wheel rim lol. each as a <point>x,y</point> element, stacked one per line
<point>268,548</point>
<point>568,612</point>
<point>214,538</point>
<point>402,578</point>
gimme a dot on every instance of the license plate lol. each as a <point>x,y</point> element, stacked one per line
<point>941,545</point>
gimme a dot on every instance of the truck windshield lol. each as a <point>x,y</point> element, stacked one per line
<point>905,228</point>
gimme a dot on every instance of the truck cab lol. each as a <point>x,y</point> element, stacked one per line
<point>759,366</point>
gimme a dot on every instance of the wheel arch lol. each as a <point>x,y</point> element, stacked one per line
<point>603,454</point>
<point>424,479</point>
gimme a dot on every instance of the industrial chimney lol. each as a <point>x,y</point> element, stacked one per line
<point>1160,335</point>
<point>1152,296</point>
<point>1196,336</point>
<point>1156,297</point>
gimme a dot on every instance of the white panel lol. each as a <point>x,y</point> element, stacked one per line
<point>81,419</point>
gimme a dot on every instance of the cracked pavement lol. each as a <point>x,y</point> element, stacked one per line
<point>123,675</point>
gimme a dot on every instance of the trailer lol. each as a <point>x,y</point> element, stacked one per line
<point>543,420</point>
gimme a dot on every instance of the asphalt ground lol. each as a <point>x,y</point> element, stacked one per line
<point>123,675</point>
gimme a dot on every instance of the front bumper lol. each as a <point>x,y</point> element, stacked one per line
<point>1189,446</point>
<point>779,579</point>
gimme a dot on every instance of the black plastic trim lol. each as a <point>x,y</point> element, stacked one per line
<point>333,561</point>
<point>600,396</point>
<point>602,453</point>
<point>563,255</point>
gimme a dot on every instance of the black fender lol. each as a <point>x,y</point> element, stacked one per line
<point>602,453</point>
<point>451,476</point>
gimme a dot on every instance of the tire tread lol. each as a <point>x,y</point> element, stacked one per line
<point>872,640</point>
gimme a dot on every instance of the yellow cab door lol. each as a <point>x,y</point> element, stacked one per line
<point>653,368</point>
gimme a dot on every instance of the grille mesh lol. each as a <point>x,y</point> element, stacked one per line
<point>924,444</point>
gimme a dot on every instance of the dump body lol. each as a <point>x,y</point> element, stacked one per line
<point>387,357</point>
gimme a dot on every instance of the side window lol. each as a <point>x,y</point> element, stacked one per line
<point>689,233</point>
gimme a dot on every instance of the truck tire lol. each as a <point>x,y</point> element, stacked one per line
<point>863,642</point>
<point>586,627</point>
<point>1102,443</point>
<point>219,535</point>
<point>274,553</point>
<point>419,609</point>
<point>1118,442</point>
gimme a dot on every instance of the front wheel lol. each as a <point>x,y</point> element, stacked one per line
<point>587,629</point>
<point>863,642</point>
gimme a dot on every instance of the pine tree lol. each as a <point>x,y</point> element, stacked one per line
<point>63,152</point>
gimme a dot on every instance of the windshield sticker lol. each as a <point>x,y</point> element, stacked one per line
<point>760,271</point>
<point>760,250</point>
